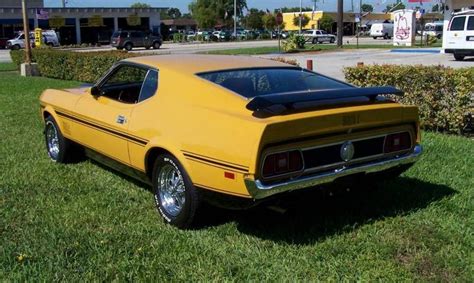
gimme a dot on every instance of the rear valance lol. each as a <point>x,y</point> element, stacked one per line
<point>288,99</point>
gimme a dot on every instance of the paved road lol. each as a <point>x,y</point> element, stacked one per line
<point>332,63</point>
<point>175,48</point>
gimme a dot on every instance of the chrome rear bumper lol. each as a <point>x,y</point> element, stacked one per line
<point>258,190</point>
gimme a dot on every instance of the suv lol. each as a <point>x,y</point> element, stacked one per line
<point>319,36</point>
<point>129,39</point>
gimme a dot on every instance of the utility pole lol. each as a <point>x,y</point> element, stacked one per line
<point>340,22</point>
<point>26,32</point>
<point>235,18</point>
<point>301,14</point>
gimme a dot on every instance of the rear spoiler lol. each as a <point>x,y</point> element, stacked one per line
<point>288,99</point>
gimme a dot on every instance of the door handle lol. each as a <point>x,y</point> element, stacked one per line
<point>121,119</point>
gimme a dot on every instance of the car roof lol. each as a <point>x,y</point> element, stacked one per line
<point>194,63</point>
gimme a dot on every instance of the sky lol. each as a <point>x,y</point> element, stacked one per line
<point>326,5</point>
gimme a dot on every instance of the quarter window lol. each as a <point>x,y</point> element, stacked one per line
<point>150,85</point>
<point>458,23</point>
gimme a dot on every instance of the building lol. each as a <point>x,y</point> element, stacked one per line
<point>349,20</point>
<point>451,7</point>
<point>77,25</point>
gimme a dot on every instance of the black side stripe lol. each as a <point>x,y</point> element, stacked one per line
<point>218,164</point>
<point>119,134</point>
<point>214,159</point>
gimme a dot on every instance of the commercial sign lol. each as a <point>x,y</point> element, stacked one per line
<point>96,21</point>
<point>134,20</point>
<point>403,28</point>
<point>38,37</point>
<point>57,22</point>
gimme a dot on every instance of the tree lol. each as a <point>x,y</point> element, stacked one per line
<point>326,22</point>
<point>254,19</point>
<point>269,21</point>
<point>304,20</point>
<point>208,11</point>
<point>438,8</point>
<point>395,6</point>
<point>367,8</point>
<point>139,5</point>
<point>293,9</point>
<point>174,13</point>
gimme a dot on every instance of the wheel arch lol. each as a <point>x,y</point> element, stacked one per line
<point>48,111</point>
<point>156,150</point>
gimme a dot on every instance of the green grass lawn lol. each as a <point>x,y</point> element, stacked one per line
<point>83,222</point>
<point>309,48</point>
<point>6,67</point>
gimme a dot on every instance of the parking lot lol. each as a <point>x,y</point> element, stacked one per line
<point>333,63</point>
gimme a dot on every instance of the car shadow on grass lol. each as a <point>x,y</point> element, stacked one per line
<point>311,216</point>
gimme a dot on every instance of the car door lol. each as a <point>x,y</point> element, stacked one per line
<point>456,34</point>
<point>104,113</point>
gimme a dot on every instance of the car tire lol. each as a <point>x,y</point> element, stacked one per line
<point>16,47</point>
<point>119,48</point>
<point>156,45</point>
<point>374,37</point>
<point>385,36</point>
<point>176,199</point>
<point>332,40</point>
<point>439,36</point>
<point>128,46</point>
<point>458,57</point>
<point>58,147</point>
<point>315,41</point>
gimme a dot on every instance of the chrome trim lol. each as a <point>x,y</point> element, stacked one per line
<point>258,190</point>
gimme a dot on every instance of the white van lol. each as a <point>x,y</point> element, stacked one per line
<point>384,30</point>
<point>50,38</point>
<point>460,35</point>
<point>434,29</point>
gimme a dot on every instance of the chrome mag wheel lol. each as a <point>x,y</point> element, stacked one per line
<point>52,140</point>
<point>171,189</point>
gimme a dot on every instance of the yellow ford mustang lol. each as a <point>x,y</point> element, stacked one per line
<point>239,126</point>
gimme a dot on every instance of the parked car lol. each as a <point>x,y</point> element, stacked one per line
<point>384,30</point>
<point>434,29</point>
<point>205,35</point>
<point>127,39</point>
<point>190,35</point>
<point>460,35</point>
<point>221,36</point>
<point>198,128</point>
<point>50,38</point>
<point>318,36</point>
<point>3,43</point>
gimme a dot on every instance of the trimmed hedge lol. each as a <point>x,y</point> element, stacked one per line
<point>443,95</point>
<point>67,65</point>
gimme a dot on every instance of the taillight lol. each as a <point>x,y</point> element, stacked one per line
<point>282,163</point>
<point>397,142</point>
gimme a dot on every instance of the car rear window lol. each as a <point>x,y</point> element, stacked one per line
<point>260,81</point>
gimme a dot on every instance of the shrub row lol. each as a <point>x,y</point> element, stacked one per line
<point>67,65</point>
<point>443,95</point>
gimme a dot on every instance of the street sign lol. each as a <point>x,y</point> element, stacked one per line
<point>279,19</point>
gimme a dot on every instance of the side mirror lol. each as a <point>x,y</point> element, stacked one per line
<point>95,91</point>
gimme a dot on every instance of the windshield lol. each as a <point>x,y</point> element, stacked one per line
<point>255,82</point>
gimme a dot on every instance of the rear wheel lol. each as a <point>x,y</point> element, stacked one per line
<point>128,46</point>
<point>374,37</point>
<point>315,40</point>
<point>156,45</point>
<point>385,36</point>
<point>177,200</point>
<point>332,40</point>
<point>459,57</point>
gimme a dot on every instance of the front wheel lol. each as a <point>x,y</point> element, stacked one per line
<point>128,46</point>
<point>156,45</point>
<point>59,148</point>
<point>177,200</point>
<point>332,40</point>
<point>315,40</point>
<point>459,57</point>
